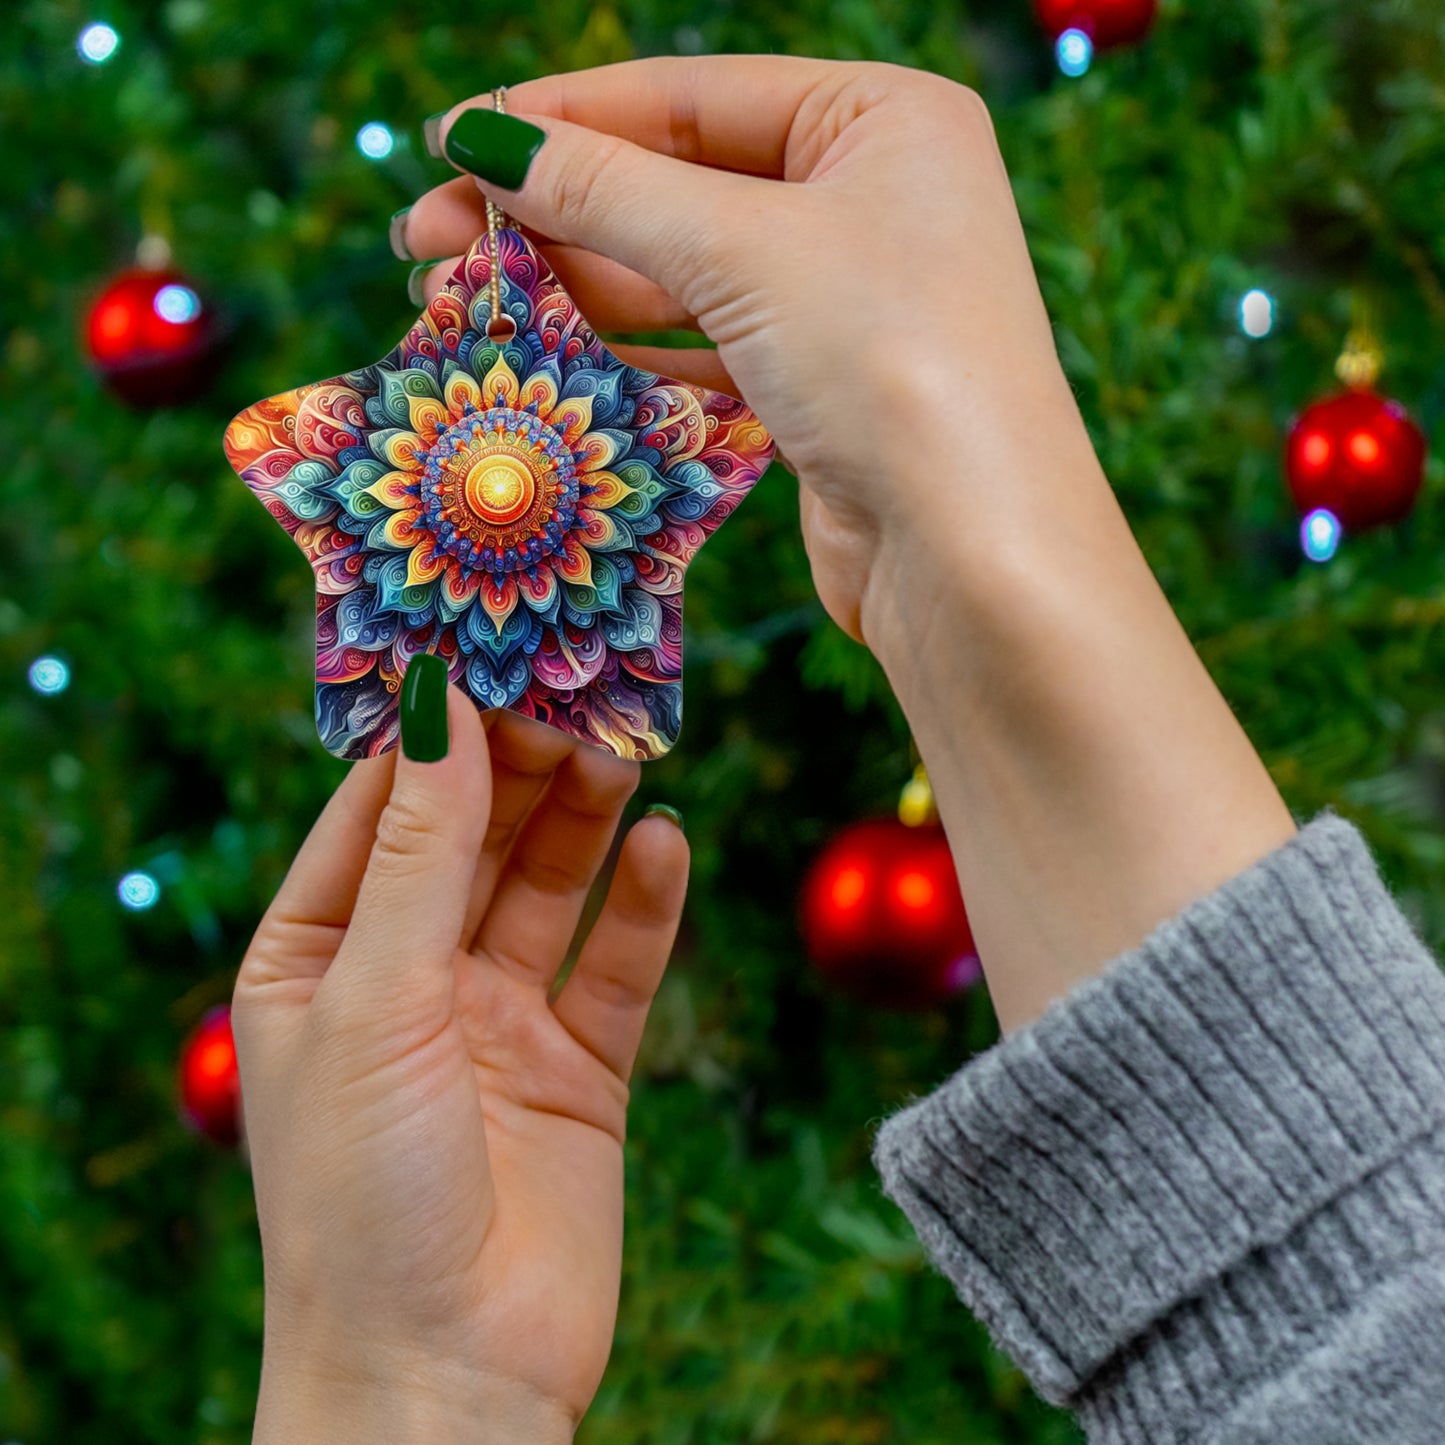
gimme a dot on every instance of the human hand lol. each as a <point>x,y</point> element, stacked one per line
<point>880,312</point>
<point>847,235</point>
<point>437,1149</point>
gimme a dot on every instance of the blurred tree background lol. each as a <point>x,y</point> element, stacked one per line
<point>771,1292</point>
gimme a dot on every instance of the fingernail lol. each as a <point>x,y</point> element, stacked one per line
<point>663,811</point>
<point>431,133</point>
<point>396,234</point>
<point>414,292</point>
<point>498,148</point>
<point>424,709</point>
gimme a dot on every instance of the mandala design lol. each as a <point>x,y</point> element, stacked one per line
<point>524,509</point>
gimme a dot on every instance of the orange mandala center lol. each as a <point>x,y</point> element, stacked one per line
<point>498,491</point>
<point>499,487</point>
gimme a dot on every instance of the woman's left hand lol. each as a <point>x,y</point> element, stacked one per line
<point>436,1144</point>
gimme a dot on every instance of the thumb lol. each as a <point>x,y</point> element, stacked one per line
<point>667,219</point>
<point>412,902</point>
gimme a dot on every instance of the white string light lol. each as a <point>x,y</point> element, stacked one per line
<point>1256,313</point>
<point>138,891</point>
<point>97,43</point>
<point>375,140</point>
<point>49,675</point>
<point>1320,535</point>
<point>1074,52</point>
<point>177,304</point>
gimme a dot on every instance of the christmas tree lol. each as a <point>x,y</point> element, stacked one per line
<point>1212,212</point>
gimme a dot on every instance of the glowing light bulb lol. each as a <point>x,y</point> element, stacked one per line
<point>1320,535</point>
<point>1074,52</point>
<point>375,140</point>
<point>49,675</point>
<point>97,43</point>
<point>177,304</point>
<point>138,891</point>
<point>1256,313</point>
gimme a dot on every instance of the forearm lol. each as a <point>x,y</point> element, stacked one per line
<point>1092,779</point>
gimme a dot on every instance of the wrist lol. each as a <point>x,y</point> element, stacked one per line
<point>999,469</point>
<point>1091,778</point>
<point>394,1401</point>
<point>976,548</point>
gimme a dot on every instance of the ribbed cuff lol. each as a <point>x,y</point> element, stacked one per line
<point>1202,1155</point>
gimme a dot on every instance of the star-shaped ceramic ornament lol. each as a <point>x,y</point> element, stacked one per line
<point>524,508</point>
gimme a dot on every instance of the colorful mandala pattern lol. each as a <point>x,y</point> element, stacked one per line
<point>526,510</point>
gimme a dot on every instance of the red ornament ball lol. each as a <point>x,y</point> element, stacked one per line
<point>1106,22</point>
<point>210,1083</point>
<point>883,918</point>
<point>152,338</point>
<point>1359,456</point>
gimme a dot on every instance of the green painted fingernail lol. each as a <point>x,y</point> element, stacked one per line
<point>415,292</point>
<point>424,709</point>
<point>498,148</point>
<point>396,234</point>
<point>431,133</point>
<point>671,814</point>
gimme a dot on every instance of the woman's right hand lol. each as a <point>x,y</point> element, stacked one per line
<point>847,235</point>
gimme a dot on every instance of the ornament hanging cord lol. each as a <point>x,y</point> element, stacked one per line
<point>496,219</point>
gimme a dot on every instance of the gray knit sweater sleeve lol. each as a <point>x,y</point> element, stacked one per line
<point>1202,1199</point>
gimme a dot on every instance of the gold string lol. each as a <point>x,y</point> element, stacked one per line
<point>496,218</point>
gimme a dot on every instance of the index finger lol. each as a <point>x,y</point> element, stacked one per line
<point>734,112</point>
<point>320,886</point>
<point>299,931</point>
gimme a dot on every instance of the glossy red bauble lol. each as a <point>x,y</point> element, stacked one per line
<point>1359,456</point>
<point>883,918</point>
<point>152,338</point>
<point>1106,22</point>
<point>210,1083</point>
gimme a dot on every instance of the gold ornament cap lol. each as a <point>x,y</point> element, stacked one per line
<point>1360,362</point>
<point>916,806</point>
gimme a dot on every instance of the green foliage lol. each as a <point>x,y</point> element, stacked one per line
<point>771,1292</point>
